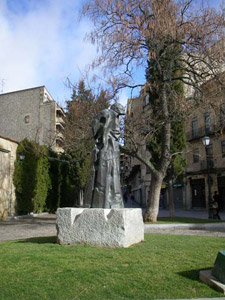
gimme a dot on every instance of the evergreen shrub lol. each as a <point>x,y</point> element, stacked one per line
<point>31,177</point>
<point>45,180</point>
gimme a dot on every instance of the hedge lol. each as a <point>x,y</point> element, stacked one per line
<point>45,180</point>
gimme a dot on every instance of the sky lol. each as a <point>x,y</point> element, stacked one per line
<point>42,43</point>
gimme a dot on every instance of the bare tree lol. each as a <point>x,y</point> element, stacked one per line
<point>174,41</point>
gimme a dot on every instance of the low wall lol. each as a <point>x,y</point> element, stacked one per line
<point>7,191</point>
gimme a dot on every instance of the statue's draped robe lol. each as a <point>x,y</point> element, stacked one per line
<point>104,189</point>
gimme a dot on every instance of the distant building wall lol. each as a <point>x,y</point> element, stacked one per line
<point>7,190</point>
<point>32,114</point>
<point>20,113</point>
<point>47,124</point>
<point>139,181</point>
<point>206,122</point>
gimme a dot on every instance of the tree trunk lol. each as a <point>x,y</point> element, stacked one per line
<point>152,208</point>
<point>81,198</point>
<point>171,199</point>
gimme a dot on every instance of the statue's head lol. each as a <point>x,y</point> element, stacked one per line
<point>118,108</point>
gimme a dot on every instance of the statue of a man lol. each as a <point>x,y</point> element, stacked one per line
<point>104,189</point>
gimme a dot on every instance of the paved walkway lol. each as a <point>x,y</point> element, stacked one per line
<point>44,225</point>
<point>23,228</point>
<point>185,232</point>
<point>193,213</point>
<point>220,298</point>
<point>199,214</point>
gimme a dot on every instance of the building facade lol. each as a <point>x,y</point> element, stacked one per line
<point>7,191</point>
<point>32,114</point>
<point>205,165</point>
<point>137,175</point>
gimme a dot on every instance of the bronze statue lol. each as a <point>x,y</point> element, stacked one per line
<point>104,189</point>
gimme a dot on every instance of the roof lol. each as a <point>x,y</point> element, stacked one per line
<point>37,87</point>
<point>8,139</point>
<point>34,88</point>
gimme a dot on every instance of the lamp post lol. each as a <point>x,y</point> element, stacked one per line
<point>206,143</point>
<point>22,157</point>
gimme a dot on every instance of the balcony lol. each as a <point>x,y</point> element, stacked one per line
<point>207,164</point>
<point>60,112</point>
<point>60,119</point>
<point>201,132</point>
<point>59,135</point>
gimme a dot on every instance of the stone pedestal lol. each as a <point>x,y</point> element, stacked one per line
<point>121,227</point>
<point>218,270</point>
<point>216,276</point>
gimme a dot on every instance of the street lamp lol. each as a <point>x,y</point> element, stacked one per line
<point>206,142</point>
<point>22,157</point>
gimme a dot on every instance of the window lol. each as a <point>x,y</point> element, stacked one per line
<point>147,122</point>
<point>194,127</point>
<point>147,99</point>
<point>208,126</point>
<point>196,155</point>
<point>148,170</point>
<point>223,148</point>
<point>222,116</point>
<point>27,119</point>
<point>46,99</point>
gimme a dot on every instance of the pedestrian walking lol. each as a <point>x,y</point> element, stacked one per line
<point>215,206</point>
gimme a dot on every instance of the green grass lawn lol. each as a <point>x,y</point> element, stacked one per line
<point>164,266</point>
<point>179,220</point>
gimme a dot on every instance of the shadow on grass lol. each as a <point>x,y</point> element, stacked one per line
<point>193,274</point>
<point>40,240</point>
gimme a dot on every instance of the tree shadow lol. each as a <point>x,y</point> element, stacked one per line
<point>40,240</point>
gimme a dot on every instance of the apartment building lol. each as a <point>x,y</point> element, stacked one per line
<point>32,114</point>
<point>206,165</point>
<point>202,163</point>
<point>137,175</point>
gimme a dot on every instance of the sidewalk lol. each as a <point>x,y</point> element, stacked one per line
<point>193,213</point>
<point>45,225</point>
<point>28,227</point>
<point>198,214</point>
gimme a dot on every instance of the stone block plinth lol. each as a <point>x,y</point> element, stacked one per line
<point>218,270</point>
<point>119,227</point>
<point>207,277</point>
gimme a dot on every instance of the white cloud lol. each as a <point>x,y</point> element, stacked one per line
<point>42,44</point>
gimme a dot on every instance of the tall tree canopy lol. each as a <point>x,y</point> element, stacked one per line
<point>81,109</point>
<point>175,41</point>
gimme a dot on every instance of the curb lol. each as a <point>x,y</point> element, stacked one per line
<point>192,226</point>
<point>30,216</point>
<point>220,298</point>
